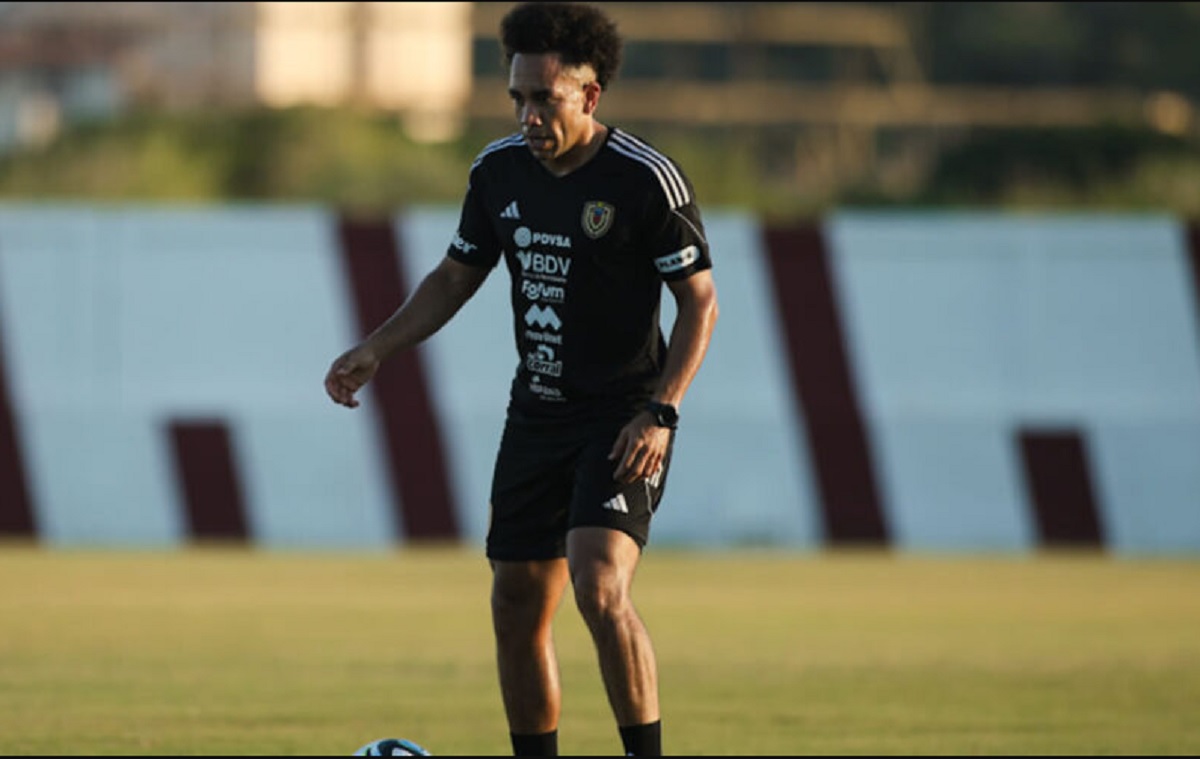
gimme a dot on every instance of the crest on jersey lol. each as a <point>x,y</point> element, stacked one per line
<point>597,218</point>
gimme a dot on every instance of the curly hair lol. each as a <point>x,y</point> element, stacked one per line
<point>580,34</point>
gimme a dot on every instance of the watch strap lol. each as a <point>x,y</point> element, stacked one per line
<point>665,415</point>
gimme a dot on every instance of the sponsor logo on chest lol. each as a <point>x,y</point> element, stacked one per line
<point>540,264</point>
<point>536,291</point>
<point>543,263</point>
<point>524,237</point>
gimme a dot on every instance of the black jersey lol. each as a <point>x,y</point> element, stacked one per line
<point>587,254</point>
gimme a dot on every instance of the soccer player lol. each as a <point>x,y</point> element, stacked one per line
<point>590,221</point>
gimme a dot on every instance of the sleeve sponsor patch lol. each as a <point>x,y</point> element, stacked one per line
<point>462,245</point>
<point>677,261</point>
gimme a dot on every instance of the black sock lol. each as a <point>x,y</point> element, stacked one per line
<point>540,744</point>
<point>643,740</point>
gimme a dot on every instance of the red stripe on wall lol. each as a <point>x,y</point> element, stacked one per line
<point>420,484</point>
<point>212,491</point>
<point>1060,488</point>
<point>1193,240</point>
<point>803,287</point>
<point>16,507</point>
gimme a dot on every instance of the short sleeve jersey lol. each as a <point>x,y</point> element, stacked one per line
<point>587,255</point>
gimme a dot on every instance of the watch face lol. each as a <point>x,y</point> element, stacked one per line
<point>666,415</point>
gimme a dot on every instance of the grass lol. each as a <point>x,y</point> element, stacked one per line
<point>241,652</point>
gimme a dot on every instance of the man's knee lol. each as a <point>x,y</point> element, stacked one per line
<point>525,594</point>
<point>602,563</point>
<point>600,591</point>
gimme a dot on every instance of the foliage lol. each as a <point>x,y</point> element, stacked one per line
<point>1104,167</point>
<point>329,156</point>
<point>364,162</point>
<point>1103,44</point>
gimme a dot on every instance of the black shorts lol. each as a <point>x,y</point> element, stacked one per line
<point>550,478</point>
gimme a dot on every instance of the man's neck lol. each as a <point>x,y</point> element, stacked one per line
<point>580,154</point>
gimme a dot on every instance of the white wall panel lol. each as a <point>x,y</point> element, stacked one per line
<point>232,313</point>
<point>741,472</point>
<point>965,327</point>
<point>96,477</point>
<point>962,329</point>
<point>471,362</point>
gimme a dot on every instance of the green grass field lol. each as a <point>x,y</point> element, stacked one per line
<point>215,651</point>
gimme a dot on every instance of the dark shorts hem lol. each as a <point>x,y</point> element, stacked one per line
<point>517,554</point>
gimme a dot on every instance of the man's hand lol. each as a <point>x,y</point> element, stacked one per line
<point>639,449</point>
<point>349,372</point>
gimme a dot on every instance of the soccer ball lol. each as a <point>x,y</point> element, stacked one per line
<point>392,747</point>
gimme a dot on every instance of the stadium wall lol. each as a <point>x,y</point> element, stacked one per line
<point>926,381</point>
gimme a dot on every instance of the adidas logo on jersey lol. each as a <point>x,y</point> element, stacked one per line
<point>511,212</point>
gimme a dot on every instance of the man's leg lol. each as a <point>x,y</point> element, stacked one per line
<point>525,596</point>
<point>602,564</point>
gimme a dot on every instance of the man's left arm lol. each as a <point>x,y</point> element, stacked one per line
<point>642,445</point>
<point>696,307</point>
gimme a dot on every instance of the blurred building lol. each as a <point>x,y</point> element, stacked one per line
<point>837,73</point>
<point>69,62</point>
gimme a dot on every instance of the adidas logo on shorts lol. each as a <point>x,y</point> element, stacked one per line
<point>616,504</point>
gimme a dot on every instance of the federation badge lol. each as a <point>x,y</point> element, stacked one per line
<point>597,218</point>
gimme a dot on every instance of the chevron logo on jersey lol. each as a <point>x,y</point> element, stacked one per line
<point>511,211</point>
<point>597,218</point>
<point>543,317</point>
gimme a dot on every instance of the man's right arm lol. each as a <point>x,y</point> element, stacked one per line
<point>439,296</point>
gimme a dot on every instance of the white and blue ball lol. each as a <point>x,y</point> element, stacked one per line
<point>392,747</point>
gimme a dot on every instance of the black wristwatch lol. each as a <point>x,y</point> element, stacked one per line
<point>665,415</point>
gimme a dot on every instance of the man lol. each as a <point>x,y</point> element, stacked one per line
<point>590,221</point>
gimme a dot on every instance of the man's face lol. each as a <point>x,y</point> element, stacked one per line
<point>553,103</point>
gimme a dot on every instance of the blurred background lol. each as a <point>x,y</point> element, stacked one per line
<point>789,109</point>
<point>958,259</point>
<point>955,244</point>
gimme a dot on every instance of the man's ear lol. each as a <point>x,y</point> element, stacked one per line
<point>591,97</point>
